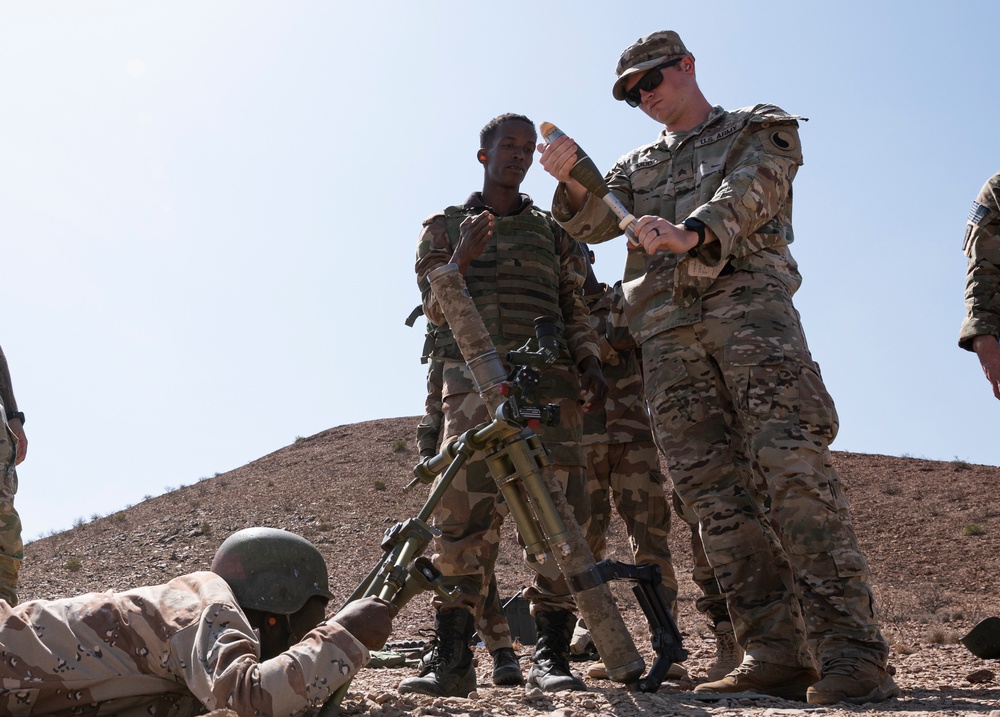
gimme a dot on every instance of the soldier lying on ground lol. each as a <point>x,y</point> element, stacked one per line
<point>249,636</point>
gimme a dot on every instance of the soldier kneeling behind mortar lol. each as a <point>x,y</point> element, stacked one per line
<point>248,637</point>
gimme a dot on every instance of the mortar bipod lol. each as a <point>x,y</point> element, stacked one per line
<point>648,589</point>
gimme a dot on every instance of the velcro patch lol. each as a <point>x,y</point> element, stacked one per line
<point>978,213</point>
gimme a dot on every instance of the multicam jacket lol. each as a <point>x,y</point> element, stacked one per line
<point>530,268</point>
<point>170,650</point>
<point>982,281</point>
<point>733,172</point>
<point>623,418</point>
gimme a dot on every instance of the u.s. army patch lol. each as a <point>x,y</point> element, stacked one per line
<point>978,213</point>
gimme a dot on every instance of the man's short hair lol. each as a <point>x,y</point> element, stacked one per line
<point>488,133</point>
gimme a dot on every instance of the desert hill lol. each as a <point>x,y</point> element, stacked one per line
<point>931,531</point>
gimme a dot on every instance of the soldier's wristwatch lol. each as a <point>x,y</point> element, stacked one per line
<point>698,227</point>
<point>16,414</point>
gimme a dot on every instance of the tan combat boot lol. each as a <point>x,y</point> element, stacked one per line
<point>854,681</point>
<point>788,682</point>
<point>728,653</point>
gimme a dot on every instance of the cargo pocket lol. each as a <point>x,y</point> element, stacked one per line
<point>673,402</point>
<point>816,410</point>
<point>757,376</point>
<point>843,585</point>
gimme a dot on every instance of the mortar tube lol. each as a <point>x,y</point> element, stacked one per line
<point>595,603</point>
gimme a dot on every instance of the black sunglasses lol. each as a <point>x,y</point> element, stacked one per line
<point>649,82</point>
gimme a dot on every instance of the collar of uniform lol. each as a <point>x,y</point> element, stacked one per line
<point>673,139</point>
<point>600,293</point>
<point>475,201</point>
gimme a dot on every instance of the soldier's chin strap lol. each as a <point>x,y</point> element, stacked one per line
<point>293,639</point>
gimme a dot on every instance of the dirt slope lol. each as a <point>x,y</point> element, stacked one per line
<point>931,531</point>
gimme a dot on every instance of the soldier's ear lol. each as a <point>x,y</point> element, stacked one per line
<point>482,156</point>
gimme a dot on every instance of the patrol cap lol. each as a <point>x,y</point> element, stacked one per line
<point>645,53</point>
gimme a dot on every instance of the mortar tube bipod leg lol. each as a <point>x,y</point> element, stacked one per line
<point>594,602</point>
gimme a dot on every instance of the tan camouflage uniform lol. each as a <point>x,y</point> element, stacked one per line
<point>172,650</point>
<point>529,269</point>
<point>723,353</point>
<point>982,284</point>
<point>622,461</point>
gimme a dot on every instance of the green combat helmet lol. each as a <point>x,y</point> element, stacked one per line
<point>271,570</point>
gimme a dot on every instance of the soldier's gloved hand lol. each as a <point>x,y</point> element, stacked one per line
<point>369,620</point>
<point>594,389</point>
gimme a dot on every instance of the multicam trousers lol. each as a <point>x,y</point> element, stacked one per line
<point>11,546</point>
<point>746,368</point>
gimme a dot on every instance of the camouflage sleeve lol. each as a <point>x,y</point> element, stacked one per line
<point>761,166</point>
<point>579,334</point>
<point>982,281</point>
<point>223,670</point>
<point>6,389</point>
<point>434,249</point>
<point>429,429</point>
<point>618,333</point>
<point>595,222</point>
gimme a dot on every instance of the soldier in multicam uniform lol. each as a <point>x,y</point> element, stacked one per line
<point>249,637</point>
<point>518,264</point>
<point>981,327</point>
<point>13,449</point>
<point>623,464</point>
<point>708,297</point>
<point>491,622</point>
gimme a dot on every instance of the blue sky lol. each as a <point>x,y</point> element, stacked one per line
<point>209,209</point>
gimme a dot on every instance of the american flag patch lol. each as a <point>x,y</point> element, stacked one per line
<point>978,212</point>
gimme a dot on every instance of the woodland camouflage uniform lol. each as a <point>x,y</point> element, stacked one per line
<point>982,284</point>
<point>172,650</point>
<point>723,351</point>
<point>530,268</point>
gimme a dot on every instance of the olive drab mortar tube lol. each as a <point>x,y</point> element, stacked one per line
<point>594,600</point>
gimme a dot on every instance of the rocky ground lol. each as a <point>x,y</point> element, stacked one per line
<point>931,531</point>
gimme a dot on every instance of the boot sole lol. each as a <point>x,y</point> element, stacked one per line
<point>509,678</point>
<point>798,692</point>
<point>887,690</point>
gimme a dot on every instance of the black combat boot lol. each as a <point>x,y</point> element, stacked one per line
<point>506,668</point>
<point>550,667</point>
<point>448,670</point>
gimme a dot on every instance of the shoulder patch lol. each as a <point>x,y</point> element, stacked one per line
<point>978,213</point>
<point>781,139</point>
